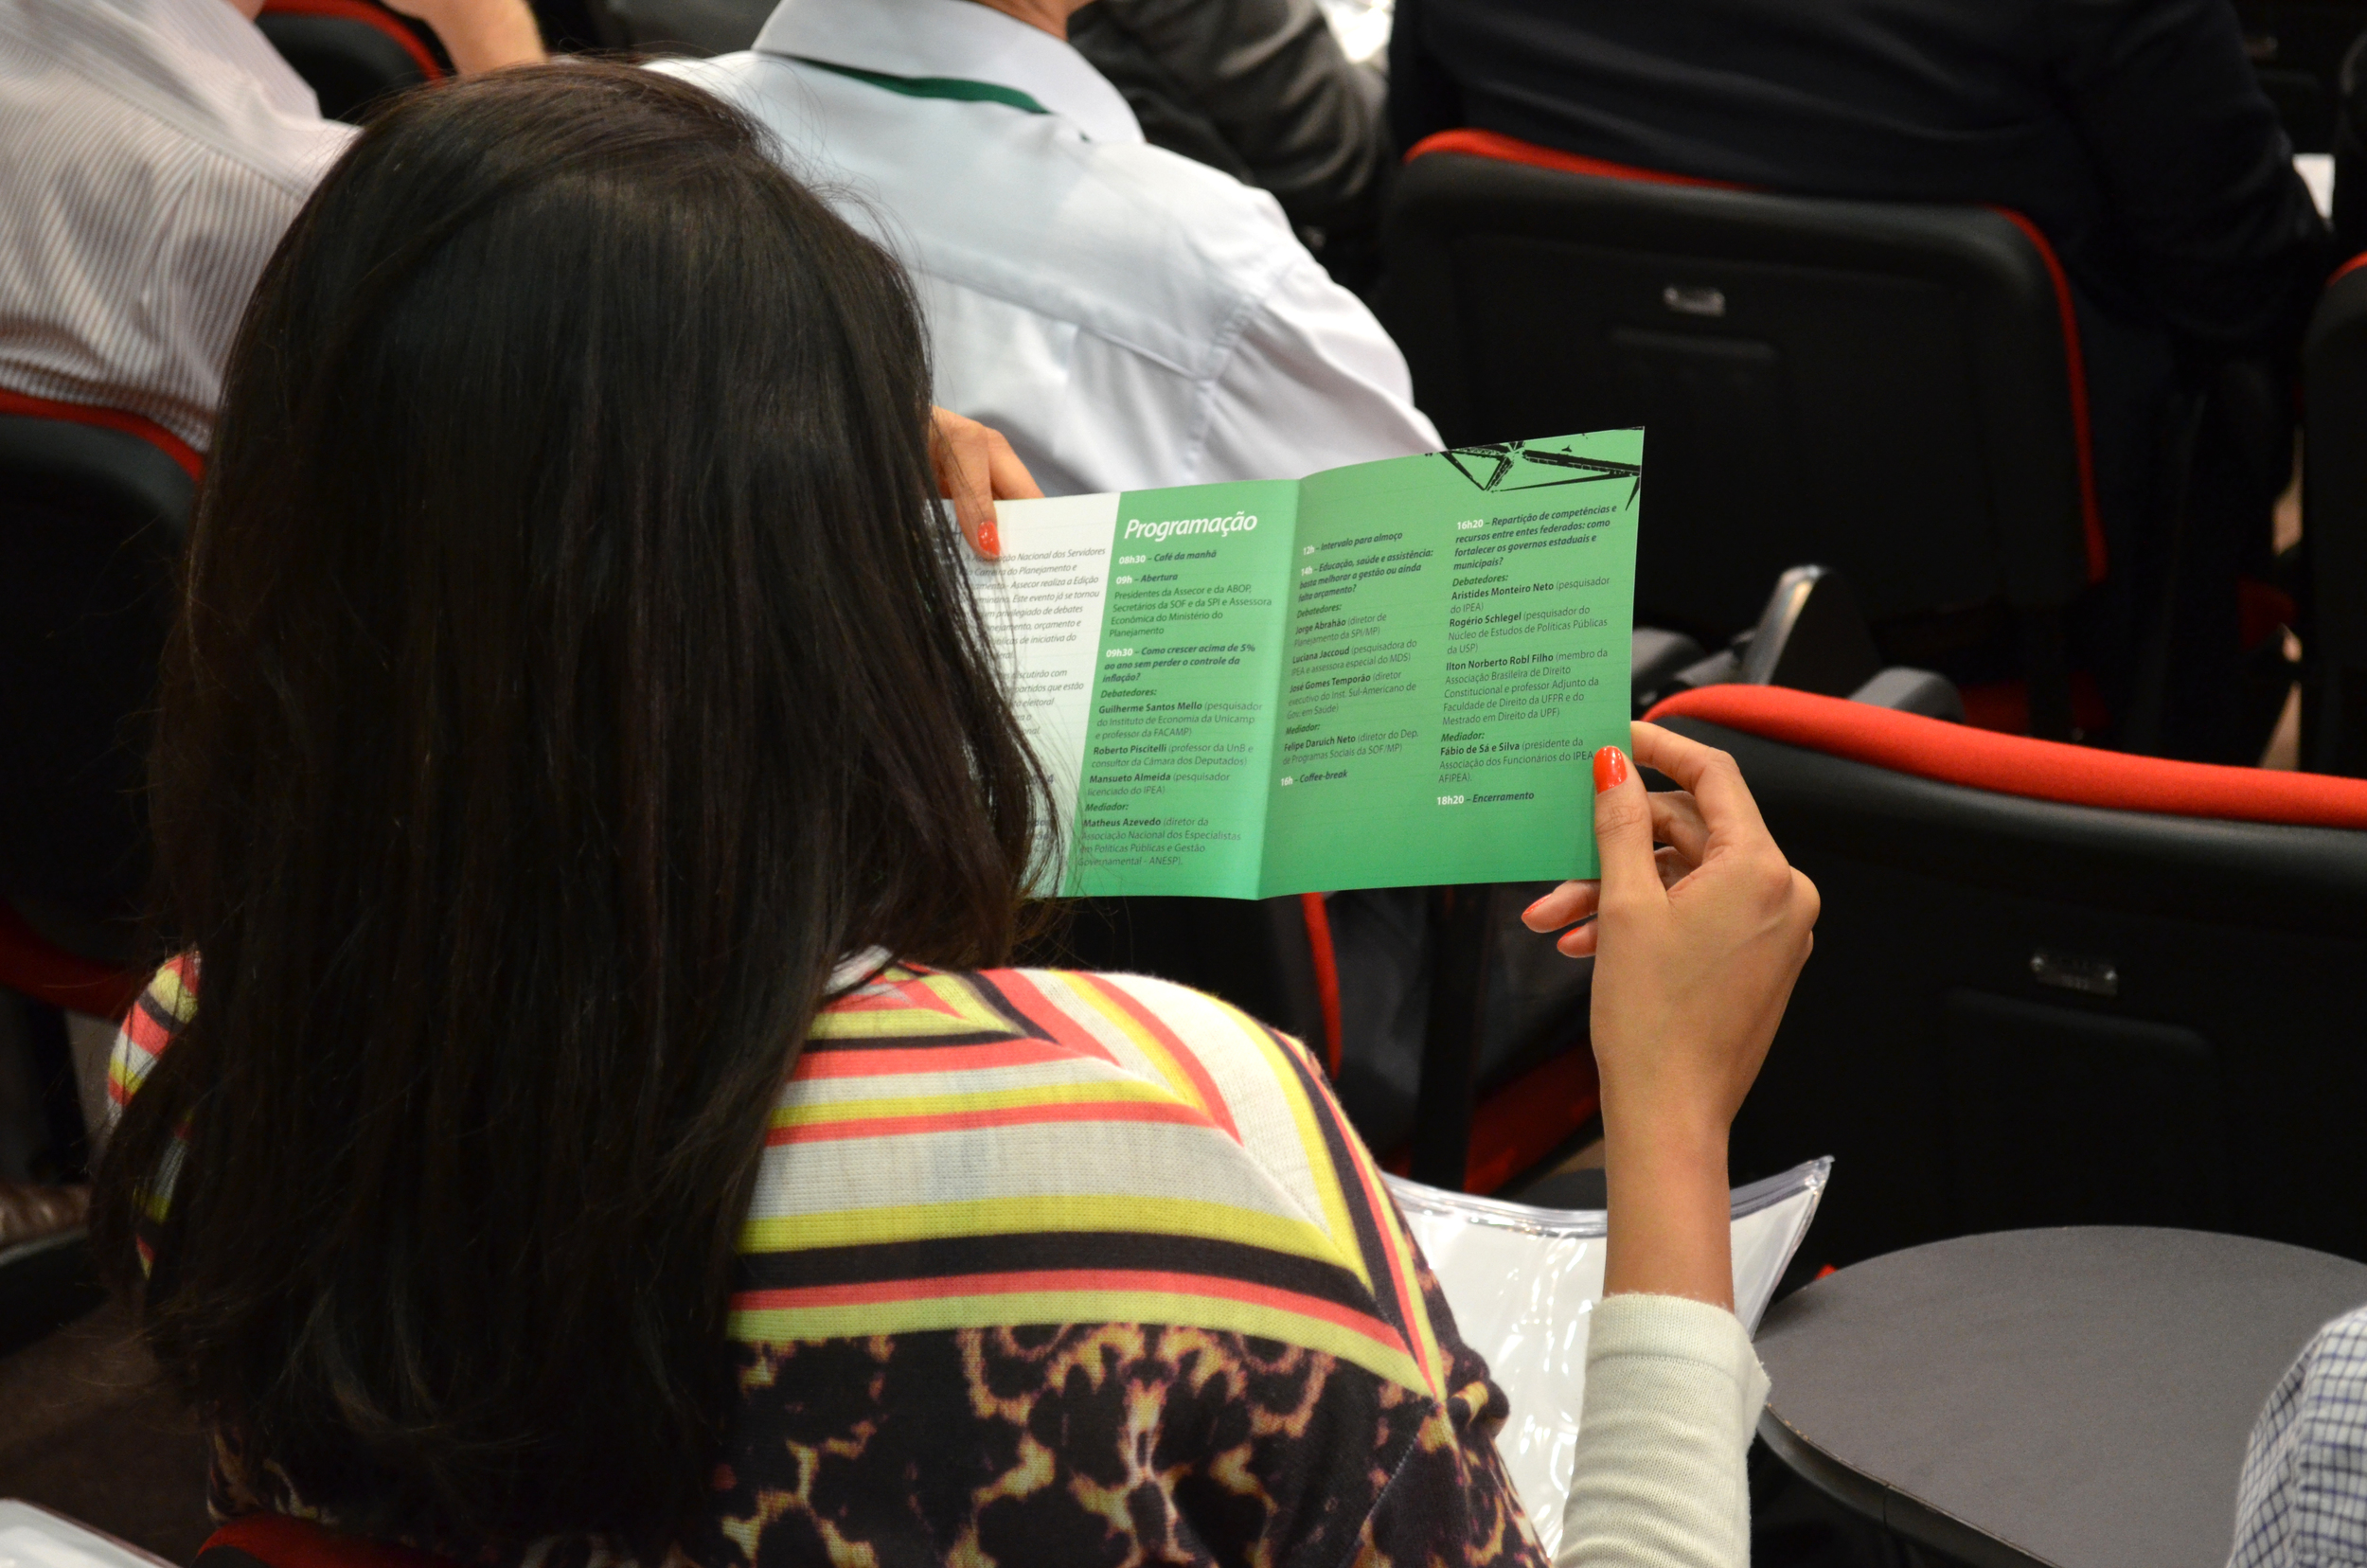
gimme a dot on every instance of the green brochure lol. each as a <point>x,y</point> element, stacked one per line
<point>1393,674</point>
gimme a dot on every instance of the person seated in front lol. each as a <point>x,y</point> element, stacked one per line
<point>1128,317</point>
<point>157,150</point>
<point>586,1117</point>
<point>2132,132</point>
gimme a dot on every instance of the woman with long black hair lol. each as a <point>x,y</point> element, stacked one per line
<point>584,1120</point>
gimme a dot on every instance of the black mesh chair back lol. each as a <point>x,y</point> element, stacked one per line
<point>1894,391</point>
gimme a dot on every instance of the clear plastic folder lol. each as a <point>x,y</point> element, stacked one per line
<point>1524,1283</point>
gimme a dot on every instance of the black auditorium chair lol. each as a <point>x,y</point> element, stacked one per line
<point>282,1541</point>
<point>94,508</point>
<point>680,27</point>
<point>94,511</point>
<point>2334,531</point>
<point>2053,984</point>
<point>1893,390</point>
<point>350,52</point>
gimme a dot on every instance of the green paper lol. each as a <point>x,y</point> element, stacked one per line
<point>1393,674</point>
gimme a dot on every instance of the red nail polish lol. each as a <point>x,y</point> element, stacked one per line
<point>1611,769</point>
<point>990,541</point>
<point>1535,908</point>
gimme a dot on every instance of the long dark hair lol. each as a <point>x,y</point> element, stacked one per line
<point>574,669</point>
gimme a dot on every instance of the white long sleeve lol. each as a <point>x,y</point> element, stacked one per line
<point>1673,1394</point>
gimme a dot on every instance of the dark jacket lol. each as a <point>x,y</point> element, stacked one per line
<point>2132,131</point>
<point>1260,89</point>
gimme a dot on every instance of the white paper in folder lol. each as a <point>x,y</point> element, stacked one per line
<point>34,1537</point>
<point>1524,1283</point>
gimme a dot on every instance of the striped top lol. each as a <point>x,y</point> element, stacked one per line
<point>156,151</point>
<point>1045,1266</point>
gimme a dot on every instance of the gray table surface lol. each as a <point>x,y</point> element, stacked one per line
<point>2077,1398</point>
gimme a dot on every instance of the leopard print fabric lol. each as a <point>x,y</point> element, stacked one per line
<point>1108,1445</point>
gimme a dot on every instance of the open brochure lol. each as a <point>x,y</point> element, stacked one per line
<point>1524,1283</point>
<point>1387,675</point>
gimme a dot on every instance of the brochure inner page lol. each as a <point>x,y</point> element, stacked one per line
<point>1459,640</point>
<point>1141,635</point>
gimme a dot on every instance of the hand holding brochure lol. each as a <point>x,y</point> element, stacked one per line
<point>1391,674</point>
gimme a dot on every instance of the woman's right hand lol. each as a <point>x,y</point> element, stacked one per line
<point>1696,949</point>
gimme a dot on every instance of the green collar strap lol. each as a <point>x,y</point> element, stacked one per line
<point>934,87</point>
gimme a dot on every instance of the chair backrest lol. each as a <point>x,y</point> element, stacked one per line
<point>2333,533</point>
<point>1893,390</point>
<point>93,512</point>
<point>2350,149</point>
<point>2055,985</point>
<point>277,1540</point>
<point>350,52</point>
<point>680,26</point>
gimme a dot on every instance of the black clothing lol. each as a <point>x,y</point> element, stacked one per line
<point>2132,131</point>
<point>2350,154</point>
<point>1260,89</point>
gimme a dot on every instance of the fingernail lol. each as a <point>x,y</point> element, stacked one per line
<point>1611,769</point>
<point>990,541</point>
<point>1530,913</point>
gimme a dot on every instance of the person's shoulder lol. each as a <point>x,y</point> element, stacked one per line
<point>1132,242</point>
<point>1136,1150</point>
<point>1126,1059</point>
<point>1134,1023</point>
<point>215,106</point>
<point>1177,207</point>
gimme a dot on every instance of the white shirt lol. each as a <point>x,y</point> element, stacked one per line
<point>1128,317</point>
<point>151,153</point>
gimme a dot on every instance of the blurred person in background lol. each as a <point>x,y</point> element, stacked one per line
<point>1263,90</point>
<point>156,150</point>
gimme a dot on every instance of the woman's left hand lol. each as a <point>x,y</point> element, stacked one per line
<point>976,468</point>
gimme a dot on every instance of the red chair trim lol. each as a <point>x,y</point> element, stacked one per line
<point>1318,916</point>
<point>1527,1119</point>
<point>282,1542</point>
<point>369,16</point>
<point>32,965</point>
<point>2018,765</point>
<point>2075,364</point>
<point>192,460</point>
<point>2354,264</point>
<point>1515,1127</point>
<point>1490,144</point>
